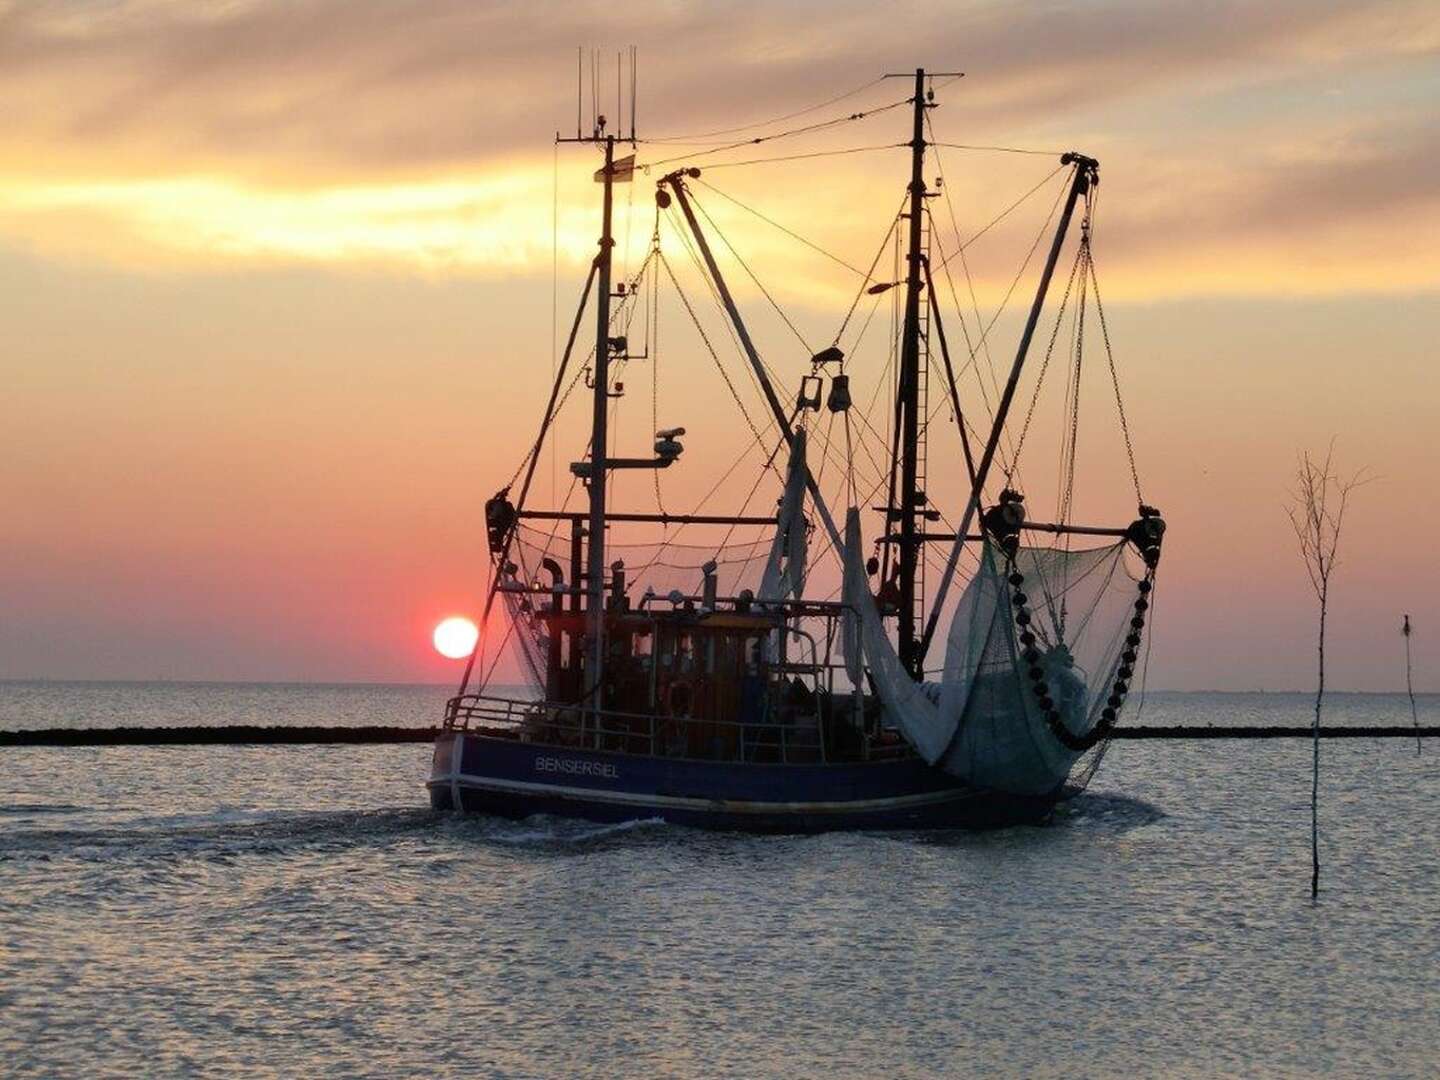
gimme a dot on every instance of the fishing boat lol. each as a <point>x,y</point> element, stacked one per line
<point>731,683</point>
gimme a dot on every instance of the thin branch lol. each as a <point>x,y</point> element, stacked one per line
<point>1317,515</point>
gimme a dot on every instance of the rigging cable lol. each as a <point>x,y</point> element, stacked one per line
<point>870,273</point>
<point>1045,364</point>
<point>711,350</point>
<point>725,320</point>
<point>1013,466</point>
<point>1000,149</point>
<point>554,295</point>
<point>704,501</point>
<point>715,298</point>
<point>1115,382</point>
<point>775,120</point>
<point>788,232</point>
<point>725,317</point>
<point>964,245</point>
<point>652,349</point>
<point>1065,488</point>
<point>789,157</point>
<point>804,130</point>
<point>983,342</point>
<point>746,267</point>
<point>1069,442</point>
<point>759,477</point>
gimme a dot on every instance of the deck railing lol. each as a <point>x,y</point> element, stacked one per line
<point>655,735</point>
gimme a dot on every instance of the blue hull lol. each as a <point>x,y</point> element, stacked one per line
<point>516,779</point>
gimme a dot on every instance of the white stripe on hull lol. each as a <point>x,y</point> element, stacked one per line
<point>731,806</point>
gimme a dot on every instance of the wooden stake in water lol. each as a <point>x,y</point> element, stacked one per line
<point>1409,687</point>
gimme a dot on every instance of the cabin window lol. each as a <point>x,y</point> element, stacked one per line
<point>642,649</point>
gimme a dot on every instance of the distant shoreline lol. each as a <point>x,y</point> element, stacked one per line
<point>362,684</point>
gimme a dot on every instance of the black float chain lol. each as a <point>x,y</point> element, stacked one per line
<point>1036,673</point>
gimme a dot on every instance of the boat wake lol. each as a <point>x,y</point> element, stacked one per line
<point>229,833</point>
<point>542,832</point>
<point>222,834</point>
<point>1117,813</point>
<point>26,809</point>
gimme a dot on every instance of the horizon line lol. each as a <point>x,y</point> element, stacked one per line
<point>7,680</point>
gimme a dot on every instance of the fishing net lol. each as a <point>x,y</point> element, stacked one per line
<point>1033,663</point>
<point>1038,655</point>
<point>650,567</point>
<point>529,640</point>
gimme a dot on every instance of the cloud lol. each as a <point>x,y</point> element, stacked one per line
<point>272,87</point>
<point>368,132</point>
<point>1351,212</point>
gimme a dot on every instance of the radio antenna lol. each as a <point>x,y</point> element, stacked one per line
<point>599,123</point>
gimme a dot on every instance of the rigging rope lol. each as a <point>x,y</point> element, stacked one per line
<point>652,350</point>
<point>1115,382</point>
<point>1045,364</point>
<point>787,157</point>
<point>804,130</point>
<point>746,267</point>
<point>965,244</point>
<point>981,345</point>
<point>554,294</point>
<point>717,300</point>
<point>719,303</point>
<point>711,350</point>
<point>1069,441</point>
<point>870,274</point>
<point>775,120</point>
<point>788,232</point>
<point>1010,468</point>
<point>1001,149</point>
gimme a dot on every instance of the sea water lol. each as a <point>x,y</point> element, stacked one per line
<point>299,911</point>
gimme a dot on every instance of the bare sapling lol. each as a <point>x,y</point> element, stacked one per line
<point>1317,513</point>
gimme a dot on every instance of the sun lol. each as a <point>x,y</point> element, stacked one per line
<point>455,637</point>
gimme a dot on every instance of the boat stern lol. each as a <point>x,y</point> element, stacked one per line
<point>444,772</point>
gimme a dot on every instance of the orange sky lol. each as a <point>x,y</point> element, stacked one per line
<point>276,298</point>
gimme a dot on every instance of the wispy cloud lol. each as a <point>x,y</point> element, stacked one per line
<point>371,132</point>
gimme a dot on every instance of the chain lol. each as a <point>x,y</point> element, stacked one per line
<point>1040,685</point>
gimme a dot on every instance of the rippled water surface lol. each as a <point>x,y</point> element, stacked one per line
<point>298,911</point>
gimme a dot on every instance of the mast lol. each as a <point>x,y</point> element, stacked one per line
<point>910,498</point>
<point>599,440</point>
<point>908,505</point>
<point>596,471</point>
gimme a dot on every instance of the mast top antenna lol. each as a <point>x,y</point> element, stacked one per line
<point>924,73</point>
<point>592,69</point>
